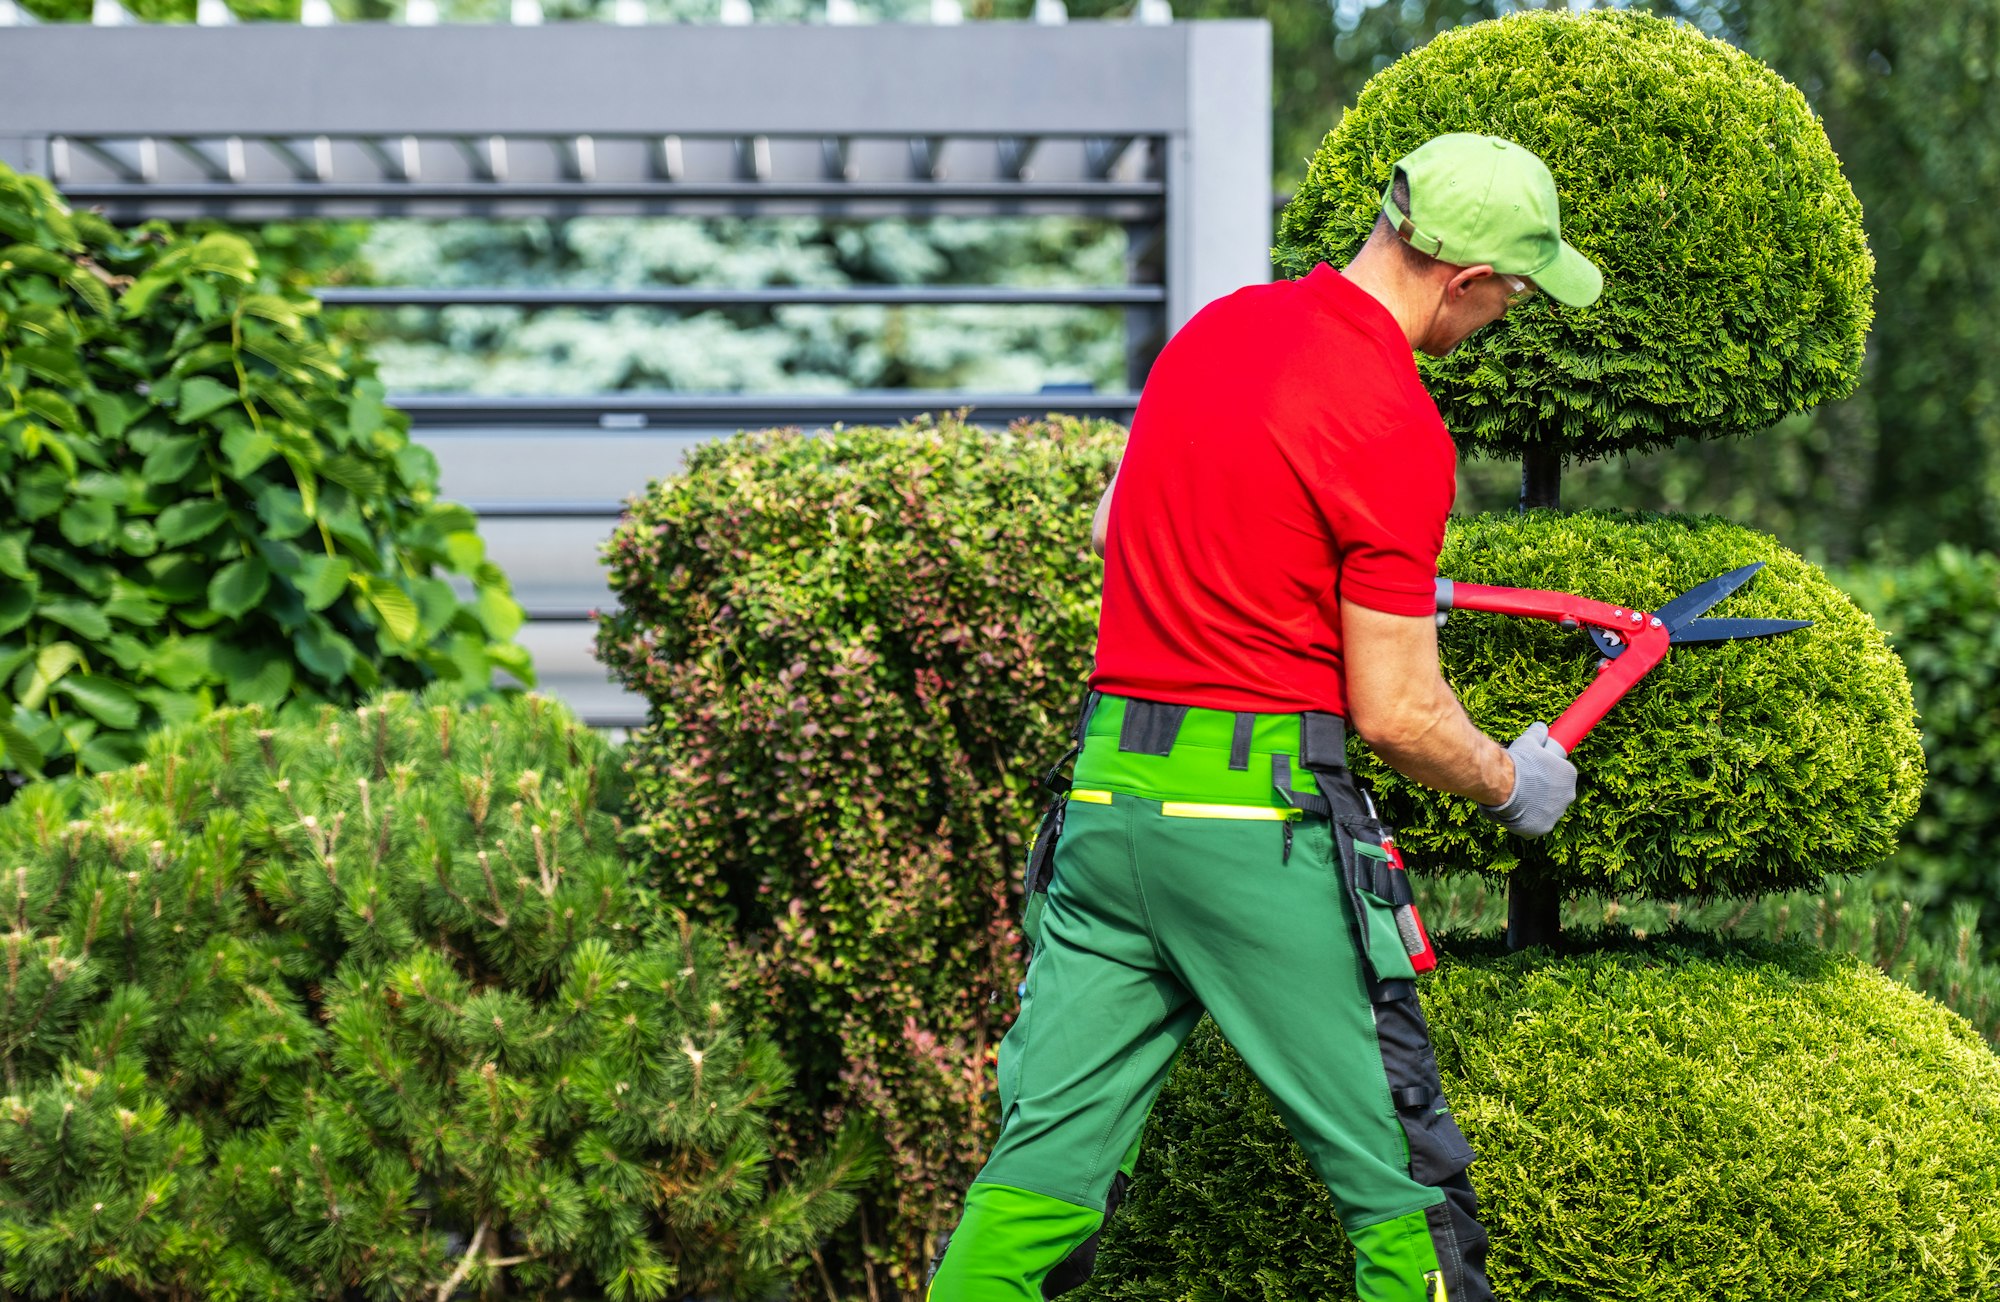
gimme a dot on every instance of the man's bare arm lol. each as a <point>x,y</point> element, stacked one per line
<point>1398,701</point>
<point>1100,526</point>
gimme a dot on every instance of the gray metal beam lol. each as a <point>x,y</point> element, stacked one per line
<point>781,296</point>
<point>643,410</point>
<point>1013,79</point>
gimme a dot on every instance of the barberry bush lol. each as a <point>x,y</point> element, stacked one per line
<point>367,1004</point>
<point>860,651</point>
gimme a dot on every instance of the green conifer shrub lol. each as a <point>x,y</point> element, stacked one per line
<point>367,1004</point>
<point>1942,613</point>
<point>206,501</point>
<point>1737,279</point>
<point>861,650</point>
<point>1684,1119</point>
<point>1733,768</point>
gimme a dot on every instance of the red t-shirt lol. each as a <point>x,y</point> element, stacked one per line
<point>1284,455</point>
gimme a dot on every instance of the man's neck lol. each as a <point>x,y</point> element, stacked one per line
<point>1375,271</point>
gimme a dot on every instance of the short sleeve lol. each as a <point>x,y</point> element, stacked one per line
<point>1389,524</point>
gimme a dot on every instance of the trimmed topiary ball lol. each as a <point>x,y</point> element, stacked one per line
<point>1737,279</point>
<point>1733,768</point>
<point>1681,1121</point>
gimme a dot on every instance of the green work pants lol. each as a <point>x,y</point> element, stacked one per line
<point>1175,894</point>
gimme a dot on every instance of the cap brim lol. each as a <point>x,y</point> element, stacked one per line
<point>1572,279</point>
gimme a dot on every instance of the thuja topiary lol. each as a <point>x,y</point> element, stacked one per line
<point>367,1005</point>
<point>203,499</point>
<point>1734,768</point>
<point>1683,1120</point>
<point>860,650</point>
<point>1737,279</point>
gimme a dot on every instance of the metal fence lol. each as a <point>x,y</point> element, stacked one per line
<point>1164,128</point>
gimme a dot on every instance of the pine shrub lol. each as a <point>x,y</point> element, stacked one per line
<point>1681,1119</point>
<point>206,500</point>
<point>1733,768</point>
<point>367,1004</point>
<point>1737,279</point>
<point>860,651</point>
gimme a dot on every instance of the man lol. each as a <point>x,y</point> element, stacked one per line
<point>1270,544</point>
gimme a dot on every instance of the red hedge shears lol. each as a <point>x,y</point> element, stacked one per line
<point>1631,641</point>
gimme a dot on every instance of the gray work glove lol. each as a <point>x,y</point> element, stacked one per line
<point>1544,785</point>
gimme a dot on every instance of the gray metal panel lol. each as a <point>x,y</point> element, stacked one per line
<point>263,80</point>
<point>24,153</point>
<point>640,409</point>
<point>774,296</point>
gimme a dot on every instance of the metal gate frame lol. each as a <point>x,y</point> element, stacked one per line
<point>1165,128</point>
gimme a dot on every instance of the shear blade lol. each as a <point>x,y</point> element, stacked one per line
<point>1681,616</point>
<point>1728,630</point>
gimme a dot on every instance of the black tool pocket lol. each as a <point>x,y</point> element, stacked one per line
<point>1041,871</point>
<point>1365,866</point>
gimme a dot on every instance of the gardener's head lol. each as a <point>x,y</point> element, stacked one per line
<point>1470,225</point>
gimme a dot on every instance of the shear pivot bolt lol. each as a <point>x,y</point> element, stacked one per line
<point>1656,621</point>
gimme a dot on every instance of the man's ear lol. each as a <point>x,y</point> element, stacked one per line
<point>1465,278</point>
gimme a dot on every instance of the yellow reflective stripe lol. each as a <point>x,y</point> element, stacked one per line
<point>1091,797</point>
<point>1255,813</point>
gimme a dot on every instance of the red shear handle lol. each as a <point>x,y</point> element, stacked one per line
<point>1645,643</point>
<point>1643,650</point>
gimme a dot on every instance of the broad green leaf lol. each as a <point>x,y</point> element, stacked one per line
<point>39,441</point>
<point>178,578</point>
<point>17,604</point>
<point>138,300</point>
<point>514,658</point>
<point>138,538</point>
<point>226,254</point>
<point>207,300</point>
<point>183,662</point>
<point>21,751</point>
<point>113,413</point>
<point>323,651</point>
<point>125,651</point>
<point>26,257</point>
<point>279,311</point>
<point>94,292</point>
<point>239,586</point>
<point>53,408</point>
<point>436,604</point>
<point>88,521</point>
<point>364,411</point>
<point>201,396</point>
<point>40,491</point>
<point>268,686</point>
<point>499,613</point>
<point>92,577</point>
<point>393,606</point>
<point>132,605</point>
<point>107,751</point>
<point>357,476</point>
<point>83,618</point>
<point>12,658</point>
<point>186,521</point>
<point>35,679</point>
<point>205,357</point>
<point>308,482</point>
<point>57,364</point>
<point>322,579</point>
<point>14,555</point>
<point>173,707</point>
<point>109,700</point>
<point>282,511</point>
<point>171,460</point>
<point>247,448</point>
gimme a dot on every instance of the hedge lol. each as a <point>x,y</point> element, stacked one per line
<point>1737,279</point>
<point>1733,768</point>
<point>1942,614</point>
<point>206,500</point>
<point>1682,1120</point>
<point>860,651</point>
<point>367,1004</point>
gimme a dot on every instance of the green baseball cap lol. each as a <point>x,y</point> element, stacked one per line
<point>1480,199</point>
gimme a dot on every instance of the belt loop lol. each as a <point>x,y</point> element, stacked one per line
<point>1150,727</point>
<point>1322,741</point>
<point>1239,741</point>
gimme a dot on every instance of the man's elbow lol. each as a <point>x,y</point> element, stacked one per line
<point>1393,728</point>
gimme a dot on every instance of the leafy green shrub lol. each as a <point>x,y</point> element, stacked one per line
<point>1736,276</point>
<point>206,499</point>
<point>1942,612</point>
<point>1681,1120</point>
<point>1733,768</point>
<point>860,652</point>
<point>363,1005</point>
